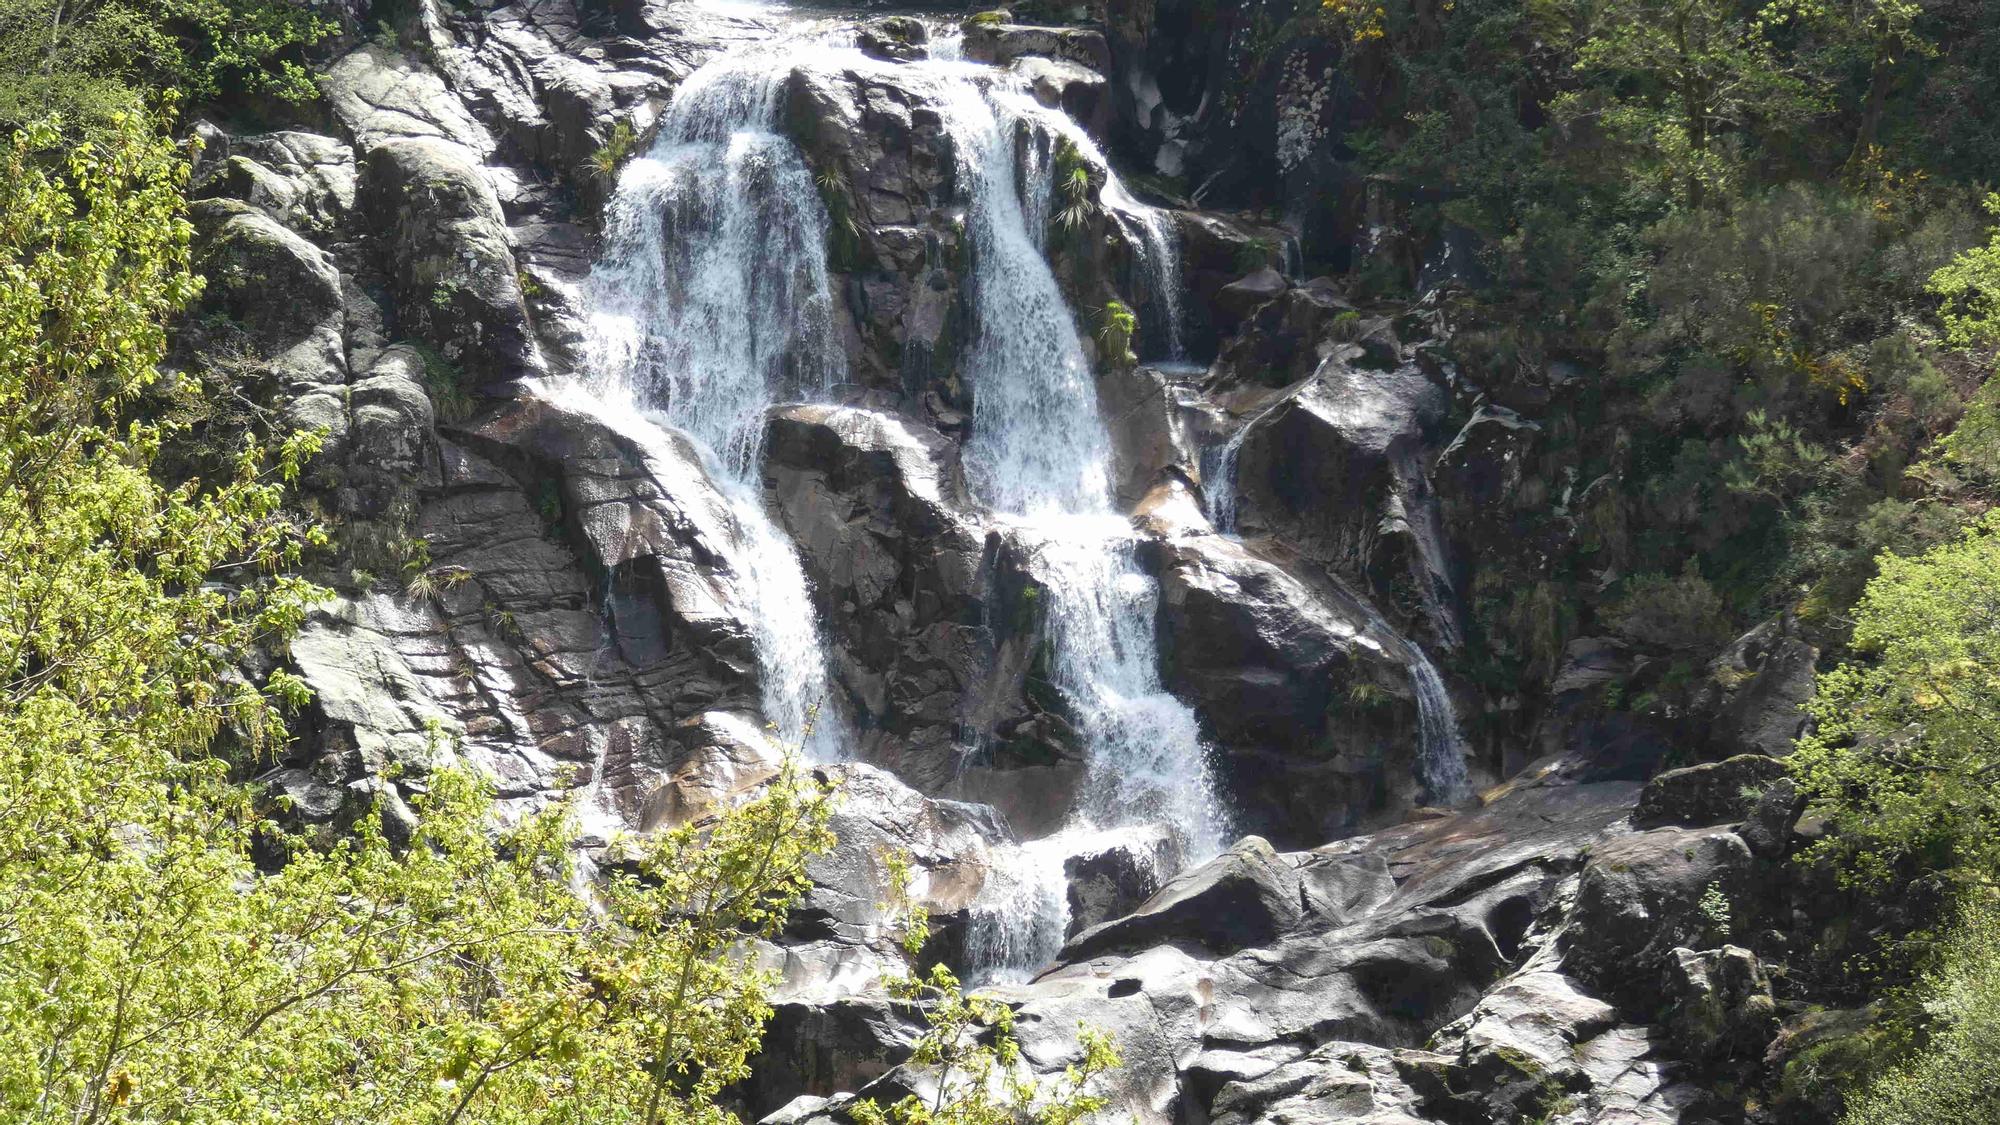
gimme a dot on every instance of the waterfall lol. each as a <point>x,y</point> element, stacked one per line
<point>711,302</point>
<point>1040,456</point>
<point>1440,746</point>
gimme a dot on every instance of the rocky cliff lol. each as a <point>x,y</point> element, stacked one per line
<point>1418,892</point>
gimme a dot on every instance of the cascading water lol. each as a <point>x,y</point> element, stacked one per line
<point>1039,456</point>
<point>711,302</point>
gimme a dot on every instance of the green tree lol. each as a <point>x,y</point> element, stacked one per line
<point>1680,78</point>
<point>87,61</point>
<point>1969,286</point>
<point>151,972</point>
<point>1906,754</point>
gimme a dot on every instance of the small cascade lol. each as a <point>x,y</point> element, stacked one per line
<point>1218,481</point>
<point>1022,915</point>
<point>1150,229</point>
<point>710,303</point>
<point>1441,745</point>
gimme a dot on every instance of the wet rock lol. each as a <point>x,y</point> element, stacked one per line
<point>884,163</point>
<point>655,534</point>
<point>1334,471</point>
<point>893,39</point>
<point>1314,711</point>
<point>1001,44</point>
<point>1114,881</point>
<point>899,573</point>
<point>1144,410</point>
<point>1710,793</point>
<point>1071,87</point>
<point>1244,897</point>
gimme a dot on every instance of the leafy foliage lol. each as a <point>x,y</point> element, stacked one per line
<point>1957,1076</point>
<point>86,61</point>
<point>968,1055</point>
<point>1907,748</point>
<point>430,971</point>
<point>1970,287</point>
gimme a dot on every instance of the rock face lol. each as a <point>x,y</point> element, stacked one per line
<point>1332,470</point>
<point>553,589</point>
<point>1291,680</point>
<point>1246,896</point>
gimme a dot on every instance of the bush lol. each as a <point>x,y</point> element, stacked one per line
<point>1906,754</point>
<point>1956,1076</point>
<point>1680,613</point>
<point>86,63</point>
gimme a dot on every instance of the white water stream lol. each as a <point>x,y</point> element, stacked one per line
<point>709,303</point>
<point>1040,457</point>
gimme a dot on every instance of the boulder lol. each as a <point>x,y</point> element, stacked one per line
<point>1710,793</point>
<point>447,250</point>
<point>1334,470</point>
<point>1077,90</point>
<point>893,39</point>
<point>1768,827</point>
<point>660,541</point>
<point>1719,1003</point>
<point>1314,712</point>
<point>1338,1082</point>
<point>1112,881</point>
<point>1640,897</point>
<point>1001,44</point>
<point>1246,896</point>
<point>946,842</point>
<point>814,1049</point>
<point>1144,411</point>
<point>1753,699</point>
<point>1238,299</point>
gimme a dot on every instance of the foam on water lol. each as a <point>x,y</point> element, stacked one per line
<point>711,302</point>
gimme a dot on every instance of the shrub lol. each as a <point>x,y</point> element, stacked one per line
<point>1956,1076</point>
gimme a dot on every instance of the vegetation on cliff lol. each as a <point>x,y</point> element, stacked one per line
<point>171,948</point>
